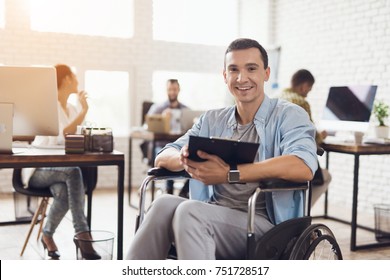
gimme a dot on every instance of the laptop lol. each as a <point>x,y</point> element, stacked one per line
<point>188,118</point>
<point>158,123</point>
<point>6,122</point>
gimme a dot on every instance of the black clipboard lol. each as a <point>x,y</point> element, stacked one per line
<point>231,151</point>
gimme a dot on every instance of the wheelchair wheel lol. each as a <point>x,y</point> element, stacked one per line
<point>317,242</point>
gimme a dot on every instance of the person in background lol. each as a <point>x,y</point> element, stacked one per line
<point>301,84</point>
<point>214,225</point>
<point>167,109</point>
<point>65,183</point>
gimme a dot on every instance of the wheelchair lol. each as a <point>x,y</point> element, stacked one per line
<point>294,239</point>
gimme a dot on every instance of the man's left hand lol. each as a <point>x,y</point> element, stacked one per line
<point>212,171</point>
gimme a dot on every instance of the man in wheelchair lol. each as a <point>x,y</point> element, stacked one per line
<point>213,224</point>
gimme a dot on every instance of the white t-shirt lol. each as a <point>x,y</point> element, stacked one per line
<point>44,141</point>
<point>63,121</point>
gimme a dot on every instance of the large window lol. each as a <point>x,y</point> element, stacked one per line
<point>87,17</point>
<point>196,21</point>
<point>108,99</point>
<point>199,91</point>
<point>2,14</point>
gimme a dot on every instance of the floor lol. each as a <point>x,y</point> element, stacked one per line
<point>104,218</point>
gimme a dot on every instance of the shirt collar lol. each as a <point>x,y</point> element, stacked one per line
<point>260,116</point>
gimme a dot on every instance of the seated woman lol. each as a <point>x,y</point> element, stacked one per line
<point>65,183</point>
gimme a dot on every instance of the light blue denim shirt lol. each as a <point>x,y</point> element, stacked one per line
<point>284,129</point>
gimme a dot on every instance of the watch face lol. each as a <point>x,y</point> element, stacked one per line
<point>234,176</point>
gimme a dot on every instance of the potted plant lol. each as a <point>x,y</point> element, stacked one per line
<point>381,112</point>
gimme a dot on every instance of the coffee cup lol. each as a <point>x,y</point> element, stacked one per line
<point>359,137</point>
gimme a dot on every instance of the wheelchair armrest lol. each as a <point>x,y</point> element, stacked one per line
<point>270,185</point>
<point>320,151</point>
<point>159,172</point>
<point>154,174</point>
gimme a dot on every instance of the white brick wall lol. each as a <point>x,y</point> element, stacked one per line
<point>341,43</point>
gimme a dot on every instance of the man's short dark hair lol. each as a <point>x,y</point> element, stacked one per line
<point>173,81</point>
<point>302,76</point>
<point>243,44</point>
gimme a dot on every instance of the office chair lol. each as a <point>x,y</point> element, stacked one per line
<point>145,147</point>
<point>146,105</point>
<point>90,181</point>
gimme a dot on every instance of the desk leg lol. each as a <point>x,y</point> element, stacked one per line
<point>326,192</point>
<point>121,178</point>
<point>355,202</point>
<point>89,208</point>
<point>129,170</point>
<point>153,158</point>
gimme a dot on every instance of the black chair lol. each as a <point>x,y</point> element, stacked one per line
<point>295,239</point>
<point>145,145</point>
<point>146,105</point>
<point>90,181</point>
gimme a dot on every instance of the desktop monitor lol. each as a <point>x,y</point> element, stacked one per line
<point>32,93</point>
<point>348,108</point>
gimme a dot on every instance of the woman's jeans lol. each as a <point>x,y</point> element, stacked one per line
<point>66,185</point>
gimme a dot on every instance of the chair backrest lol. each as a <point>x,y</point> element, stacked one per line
<point>18,185</point>
<point>145,108</point>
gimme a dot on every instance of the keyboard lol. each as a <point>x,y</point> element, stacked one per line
<point>379,141</point>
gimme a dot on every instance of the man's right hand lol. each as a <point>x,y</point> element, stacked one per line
<point>171,159</point>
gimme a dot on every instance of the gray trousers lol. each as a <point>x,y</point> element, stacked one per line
<point>66,185</point>
<point>199,230</point>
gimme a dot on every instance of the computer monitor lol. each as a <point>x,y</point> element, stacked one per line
<point>32,92</point>
<point>348,108</point>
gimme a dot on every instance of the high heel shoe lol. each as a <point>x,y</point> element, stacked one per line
<point>54,254</point>
<point>83,242</point>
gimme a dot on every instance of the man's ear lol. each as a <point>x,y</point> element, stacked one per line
<point>267,74</point>
<point>224,76</point>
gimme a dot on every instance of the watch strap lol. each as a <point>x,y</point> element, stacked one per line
<point>233,166</point>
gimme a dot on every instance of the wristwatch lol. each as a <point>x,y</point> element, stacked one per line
<point>234,174</point>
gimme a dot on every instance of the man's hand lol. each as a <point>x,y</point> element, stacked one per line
<point>212,171</point>
<point>167,113</point>
<point>323,134</point>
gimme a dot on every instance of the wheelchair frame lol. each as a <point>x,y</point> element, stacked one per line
<point>292,239</point>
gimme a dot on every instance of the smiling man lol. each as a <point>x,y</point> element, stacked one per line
<point>213,224</point>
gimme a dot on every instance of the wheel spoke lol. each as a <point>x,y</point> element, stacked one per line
<point>317,242</point>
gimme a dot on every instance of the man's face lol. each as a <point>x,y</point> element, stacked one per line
<point>173,90</point>
<point>245,75</point>
<point>304,89</point>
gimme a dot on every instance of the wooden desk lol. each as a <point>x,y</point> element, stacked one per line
<point>356,151</point>
<point>153,138</point>
<point>33,157</point>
